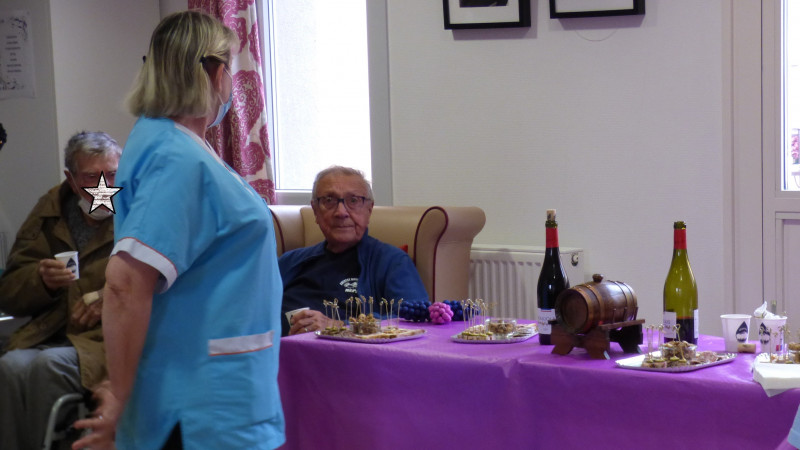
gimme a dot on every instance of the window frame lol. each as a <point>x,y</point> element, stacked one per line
<point>379,105</point>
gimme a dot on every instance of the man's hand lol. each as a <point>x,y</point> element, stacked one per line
<point>310,320</point>
<point>86,317</point>
<point>55,274</point>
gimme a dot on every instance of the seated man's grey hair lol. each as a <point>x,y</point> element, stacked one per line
<point>341,170</point>
<point>89,144</point>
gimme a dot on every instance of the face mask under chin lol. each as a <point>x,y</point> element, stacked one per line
<point>100,213</point>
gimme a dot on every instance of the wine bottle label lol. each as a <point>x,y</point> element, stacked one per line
<point>544,318</point>
<point>551,237</point>
<point>670,319</point>
<point>688,329</point>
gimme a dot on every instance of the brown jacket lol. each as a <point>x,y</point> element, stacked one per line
<point>22,292</point>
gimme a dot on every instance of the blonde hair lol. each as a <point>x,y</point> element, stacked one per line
<point>174,79</point>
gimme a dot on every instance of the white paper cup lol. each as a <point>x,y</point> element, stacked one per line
<point>759,330</point>
<point>735,329</point>
<point>71,260</point>
<point>292,313</point>
<point>773,326</point>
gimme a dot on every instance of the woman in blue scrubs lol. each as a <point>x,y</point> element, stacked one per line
<point>193,291</point>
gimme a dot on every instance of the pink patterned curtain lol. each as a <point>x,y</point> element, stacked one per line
<point>241,139</point>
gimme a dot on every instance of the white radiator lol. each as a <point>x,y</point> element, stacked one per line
<point>507,276</point>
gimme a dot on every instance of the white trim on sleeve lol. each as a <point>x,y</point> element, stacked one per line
<point>142,252</point>
<point>240,344</point>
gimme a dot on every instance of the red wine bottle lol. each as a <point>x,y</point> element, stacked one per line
<point>552,280</point>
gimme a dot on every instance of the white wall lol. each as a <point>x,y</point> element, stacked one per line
<point>171,6</point>
<point>97,51</point>
<point>615,122</point>
<point>86,53</point>
<point>28,161</point>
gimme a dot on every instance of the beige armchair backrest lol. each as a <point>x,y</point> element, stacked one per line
<point>439,239</point>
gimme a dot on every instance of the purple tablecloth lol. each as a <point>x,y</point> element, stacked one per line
<point>432,392</point>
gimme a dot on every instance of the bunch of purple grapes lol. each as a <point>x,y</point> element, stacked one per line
<point>455,306</point>
<point>458,309</point>
<point>415,311</point>
<point>440,313</point>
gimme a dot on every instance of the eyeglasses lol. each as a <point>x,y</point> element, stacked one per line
<point>352,203</point>
<point>91,179</point>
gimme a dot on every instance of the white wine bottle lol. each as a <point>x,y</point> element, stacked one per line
<point>552,280</point>
<point>680,293</point>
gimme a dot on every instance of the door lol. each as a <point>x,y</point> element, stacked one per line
<point>762,204</point>
<point>781,191</point>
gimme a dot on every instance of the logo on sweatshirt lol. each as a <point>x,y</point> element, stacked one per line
<point>350,285</point>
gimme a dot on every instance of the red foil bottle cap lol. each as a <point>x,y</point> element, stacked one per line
<point>551,237</point>
<point>680,239</point>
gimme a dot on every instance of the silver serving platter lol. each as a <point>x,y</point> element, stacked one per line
<point>366,339</point>
<point>520,335</point>
<point>635,363</point>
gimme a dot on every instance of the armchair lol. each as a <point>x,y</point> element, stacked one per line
<point>439,239</point>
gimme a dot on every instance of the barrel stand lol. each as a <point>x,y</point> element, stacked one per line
<point>598,340</point>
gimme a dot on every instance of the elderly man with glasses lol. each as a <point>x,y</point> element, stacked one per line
<point>349,262</point>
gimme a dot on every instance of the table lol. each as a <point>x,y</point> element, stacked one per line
<point>435,393</point>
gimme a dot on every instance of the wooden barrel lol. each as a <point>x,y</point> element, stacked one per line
<point>585,306</point>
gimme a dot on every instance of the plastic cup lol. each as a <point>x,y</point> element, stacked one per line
<point>772,326</point>
<point>291,313</point>
<point>735,329</point>
<point>70,259</point>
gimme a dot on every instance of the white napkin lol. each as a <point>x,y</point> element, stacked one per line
<point>762,313</point>
<point>775,378</point>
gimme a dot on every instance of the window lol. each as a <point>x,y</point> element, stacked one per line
<point>317,84</point>
<point>790,56</point>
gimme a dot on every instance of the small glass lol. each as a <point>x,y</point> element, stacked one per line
<point>365,324</point>
<point>774,328</point>
<point>678,349</point>
<point>501,327</point>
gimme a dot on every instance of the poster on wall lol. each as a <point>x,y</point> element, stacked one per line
<point>16,55</point>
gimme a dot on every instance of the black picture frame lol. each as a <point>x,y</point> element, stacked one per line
<point>465,14</point>
<point>564,9</point>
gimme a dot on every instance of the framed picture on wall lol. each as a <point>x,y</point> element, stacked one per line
<point>459,14</point>
<point>565,9</point>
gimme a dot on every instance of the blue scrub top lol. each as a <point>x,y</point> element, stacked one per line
<point>794,432</point>
<point>210,360</point>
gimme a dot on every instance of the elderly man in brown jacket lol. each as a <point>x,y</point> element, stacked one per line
<point>61,349</point>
